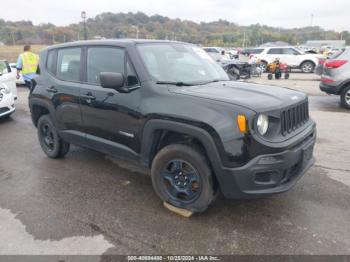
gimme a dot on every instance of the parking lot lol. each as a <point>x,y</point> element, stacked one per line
<point>89,203</point>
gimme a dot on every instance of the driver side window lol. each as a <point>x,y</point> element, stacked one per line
<point>104,59</point>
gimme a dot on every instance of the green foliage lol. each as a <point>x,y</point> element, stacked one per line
<point>124,25</point>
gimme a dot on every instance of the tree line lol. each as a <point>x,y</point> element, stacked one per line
<point>132,25</point>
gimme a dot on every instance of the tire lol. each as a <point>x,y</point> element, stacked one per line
<point>50,142</point>
<point>286,76</point>
<point>173,168</point>
<point>233,74</point>
<point>345,98</point>
<point>278,75</point>
<point>263,66</point>
<point>307,67</point>
<point>269,76</point>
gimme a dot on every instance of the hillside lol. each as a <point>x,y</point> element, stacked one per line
<point>123,25</point>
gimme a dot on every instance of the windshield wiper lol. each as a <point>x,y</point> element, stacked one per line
<point>179,83</point>
<point>213,81</point>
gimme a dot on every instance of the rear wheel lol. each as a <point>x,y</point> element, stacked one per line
<point>307,67</point>
<point>345,97</point>
<point>182,177</point>
<point>263,66</point>
<point>50,142</point>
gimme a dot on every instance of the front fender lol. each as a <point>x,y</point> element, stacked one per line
<point>209,140</point>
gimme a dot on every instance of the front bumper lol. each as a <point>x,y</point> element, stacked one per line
<point>269,174</point>
<point>7,106</point>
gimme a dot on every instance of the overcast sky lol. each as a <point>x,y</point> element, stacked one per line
<point>279,13</point>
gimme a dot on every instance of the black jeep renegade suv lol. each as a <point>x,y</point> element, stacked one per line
<point>169,107</point>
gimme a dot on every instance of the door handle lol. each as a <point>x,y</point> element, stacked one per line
<point>89,97</point>
<point>52,89</point>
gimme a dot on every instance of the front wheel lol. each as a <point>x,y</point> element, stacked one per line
<point>50,142</point>
<point>307,67</point>
<point>345,97</point>
<point>233,74</point>
<point>182,177</point>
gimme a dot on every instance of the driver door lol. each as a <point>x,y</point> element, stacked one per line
<point>110,118</point>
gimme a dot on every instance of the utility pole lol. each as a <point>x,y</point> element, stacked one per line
<point>13,38</point>
<point>137,31</point>
<point>244,39</point>
<point>83,16</point>
<point>312,20</point>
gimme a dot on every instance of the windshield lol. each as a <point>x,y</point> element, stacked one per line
<point>176,62</point>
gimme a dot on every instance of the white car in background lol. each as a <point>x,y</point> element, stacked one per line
<point>289,55</point>
<point>233,53</point>
<point>7,77</point>
<point>19,81</point>
<point>7,101</point>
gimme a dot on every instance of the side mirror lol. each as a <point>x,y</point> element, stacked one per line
<point>113,81</point>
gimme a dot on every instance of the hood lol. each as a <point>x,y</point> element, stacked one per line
<point>260,98</point>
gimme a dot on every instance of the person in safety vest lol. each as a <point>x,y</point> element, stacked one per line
<point>28,63</point>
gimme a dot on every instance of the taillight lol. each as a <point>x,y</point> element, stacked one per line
<point>326,80</point>
<point>335,63</point>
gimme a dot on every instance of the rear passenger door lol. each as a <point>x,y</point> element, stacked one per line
<point>110,118</point>
<point>63,67</point>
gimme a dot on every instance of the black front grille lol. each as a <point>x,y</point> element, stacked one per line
<point>4,109</point>
<point>294,117</point>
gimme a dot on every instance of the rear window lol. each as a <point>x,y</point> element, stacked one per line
<point>337,54</point>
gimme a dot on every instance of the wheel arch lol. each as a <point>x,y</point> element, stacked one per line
<point>159,133</point>
<point>308,60</point>
<point>39,108</point>
<point>343,85</point>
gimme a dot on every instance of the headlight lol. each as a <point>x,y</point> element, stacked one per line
<point>4,89</point>
<point>262,124</point>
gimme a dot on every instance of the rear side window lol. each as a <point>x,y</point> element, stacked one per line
<point>104,59</point>
<point>274,51</point>
<point>51,62</point>
<point>256,51</point>
<point>290,51</point>
<point>68,64</point>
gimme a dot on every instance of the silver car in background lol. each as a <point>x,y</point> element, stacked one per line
<point>335,77</point>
